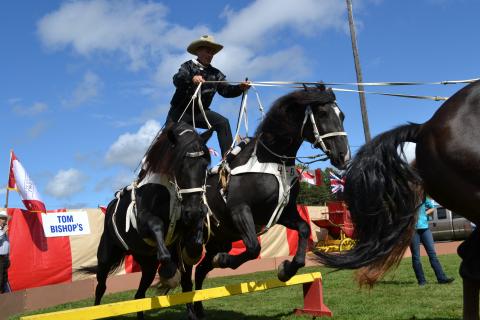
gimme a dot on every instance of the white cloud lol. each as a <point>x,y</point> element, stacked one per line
<point>35,109</point>
<point>113,183</point>
<point>129,148</point>
<point>252,26</point>
<point>141,32</point>
<point>86,90</point>
<point>66,183</point>
<point>131,27</point>
<point>37,129</point>
<point>3,190</point>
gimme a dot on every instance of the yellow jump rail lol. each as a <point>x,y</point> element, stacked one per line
<point>145,304</point>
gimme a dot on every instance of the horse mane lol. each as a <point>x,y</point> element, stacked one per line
<point>165,157</point>
<point>279,117</point>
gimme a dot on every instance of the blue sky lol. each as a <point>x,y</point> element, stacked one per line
<point>85,85</point>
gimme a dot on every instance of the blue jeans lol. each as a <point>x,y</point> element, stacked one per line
<point>426,238</point>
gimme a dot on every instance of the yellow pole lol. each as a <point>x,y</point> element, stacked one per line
<point>120,308</point>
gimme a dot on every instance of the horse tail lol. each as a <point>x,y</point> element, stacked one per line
<point>112,267</point>
<point>381,191</point>
<point>88,269</point>
<point>105,247</point>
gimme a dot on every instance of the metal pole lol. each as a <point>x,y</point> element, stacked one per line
<point>363,104</point>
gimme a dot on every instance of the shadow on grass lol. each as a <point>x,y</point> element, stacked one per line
<point>436,318</point>
<point>397,282</point>
<point>177,313</point>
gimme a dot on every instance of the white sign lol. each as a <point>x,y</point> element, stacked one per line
<point>59,224</point>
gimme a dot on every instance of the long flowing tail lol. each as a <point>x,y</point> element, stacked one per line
<point>381,194</point>
<point>105,249</point>
<point>95,269</point>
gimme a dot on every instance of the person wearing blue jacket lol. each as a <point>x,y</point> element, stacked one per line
<point>424,235</point>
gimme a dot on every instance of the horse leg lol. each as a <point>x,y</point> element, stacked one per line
<point>150,204</point>
<point>168,272</point>
<point>187,286</point>
<point>243,220</point>
<point>149,265</point>
<point>109,256</point>
<point>470,272</point>
<point>292,220</point>
<point>471,290</point>
<point>201,271</point>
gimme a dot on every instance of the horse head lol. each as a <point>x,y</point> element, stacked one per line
<point>190,172</point>
<point>323,124</point>
<point>181,154</point>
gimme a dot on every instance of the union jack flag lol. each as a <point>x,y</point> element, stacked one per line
<point>337,184</point>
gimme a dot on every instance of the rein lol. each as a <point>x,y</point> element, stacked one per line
<point>295,84</point>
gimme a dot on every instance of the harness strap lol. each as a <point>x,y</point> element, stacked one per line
<point>282,203</point>
<point>114,222</point>
<point>131,215</point>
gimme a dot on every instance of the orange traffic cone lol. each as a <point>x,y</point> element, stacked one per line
<point>313,300</point>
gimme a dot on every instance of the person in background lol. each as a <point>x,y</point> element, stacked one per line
<point>4,253</point>
<point>424,235</point>
<point>186,81</point>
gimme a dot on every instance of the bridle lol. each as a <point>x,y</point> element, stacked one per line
<point>203,189</point>
<point>319,138</point>
<point>179,191</point>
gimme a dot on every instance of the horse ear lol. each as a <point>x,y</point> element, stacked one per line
<point>206,135</point>
<point>171,137</point>
<point>320,85</point>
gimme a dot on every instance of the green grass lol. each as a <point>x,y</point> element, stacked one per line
<point>396,297</point>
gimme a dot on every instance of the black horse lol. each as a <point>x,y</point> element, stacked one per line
<point>167,218</point>
<point>381,192</point>
<point>262,186</point>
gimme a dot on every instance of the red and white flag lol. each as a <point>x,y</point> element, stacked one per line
<point>311,178</point>
<point>19,180</point>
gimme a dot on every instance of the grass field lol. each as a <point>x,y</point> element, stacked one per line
<point>396,297</point>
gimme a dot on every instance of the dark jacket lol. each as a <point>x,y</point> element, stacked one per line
<point>186,88</point>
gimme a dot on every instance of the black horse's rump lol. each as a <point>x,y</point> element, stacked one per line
<point>382,190</point>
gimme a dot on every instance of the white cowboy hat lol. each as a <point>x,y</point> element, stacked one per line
<point>3,214</point>
<point>204,41</point>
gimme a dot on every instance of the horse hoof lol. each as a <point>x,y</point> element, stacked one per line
<point>172,282</point>
<point>282,271</point>
<point>189,260</point>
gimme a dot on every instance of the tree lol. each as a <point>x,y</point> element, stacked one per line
<point>311,195</point>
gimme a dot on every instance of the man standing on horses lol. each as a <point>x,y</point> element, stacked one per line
<point>186,81</point>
